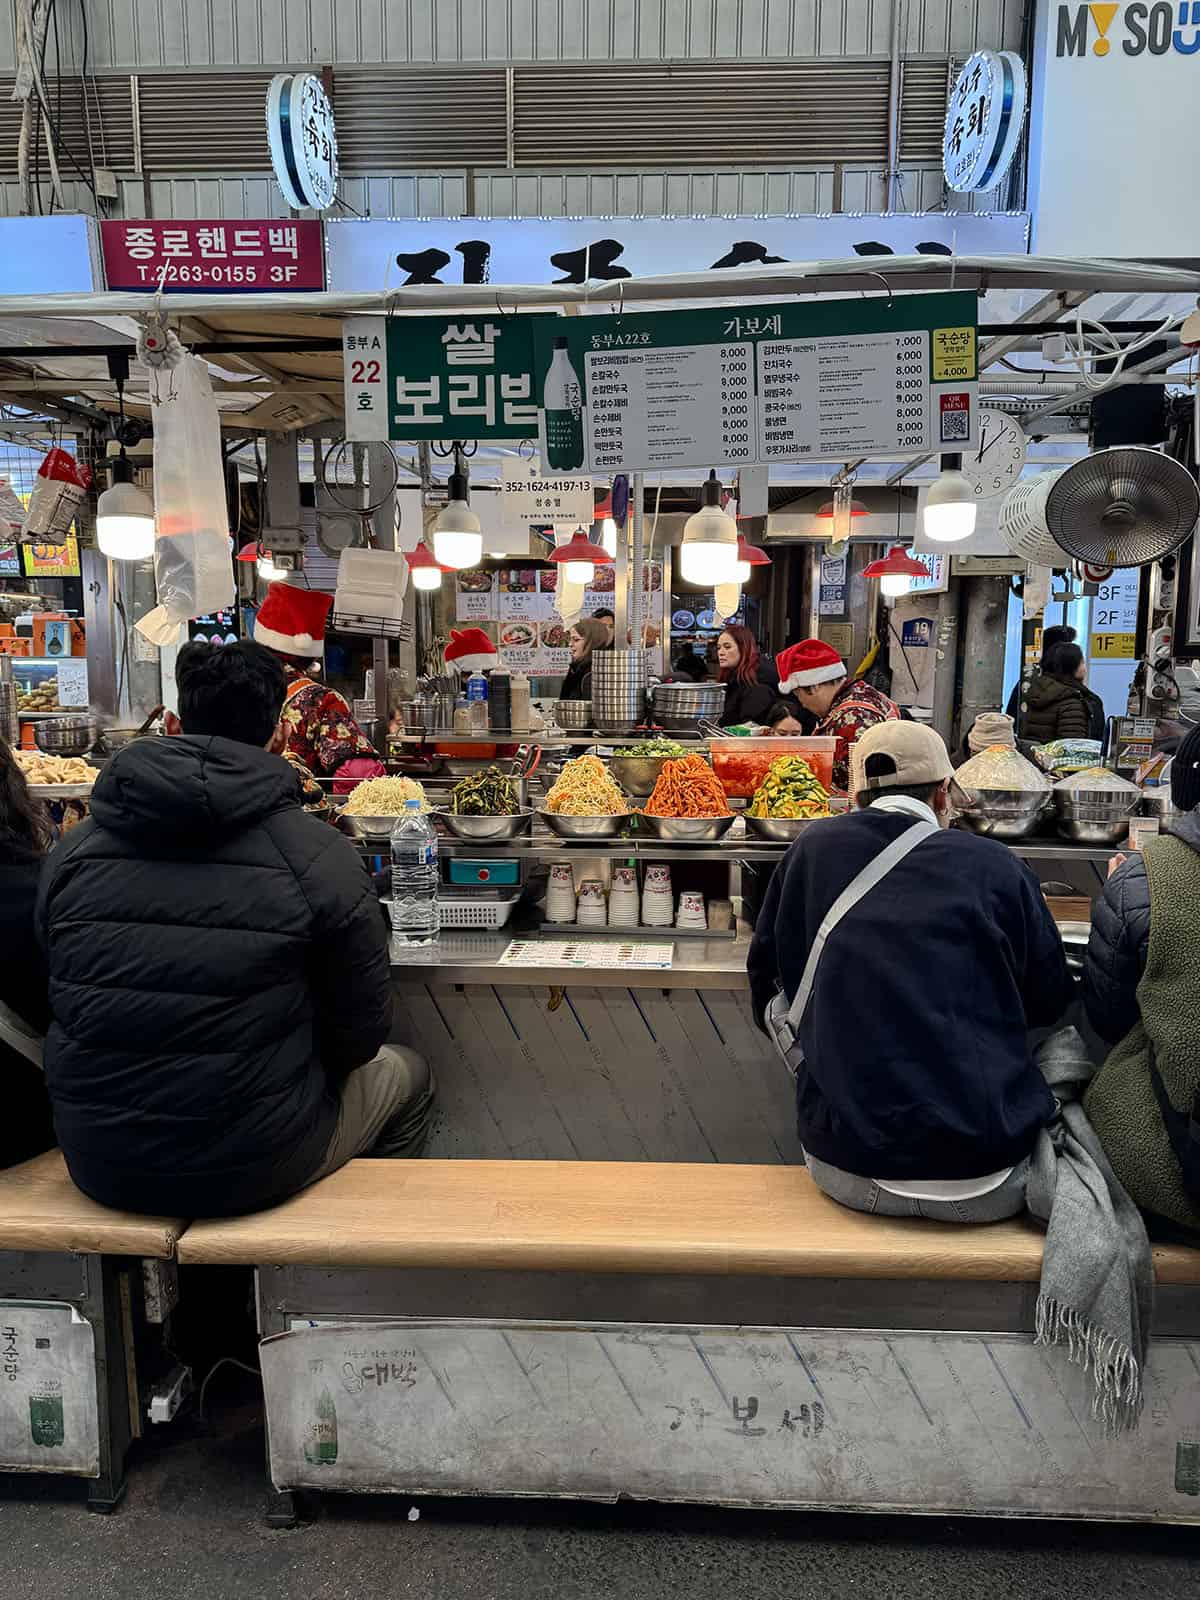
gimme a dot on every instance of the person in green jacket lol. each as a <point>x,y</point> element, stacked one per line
<point>1141,991</point>
<point>1058,703</point>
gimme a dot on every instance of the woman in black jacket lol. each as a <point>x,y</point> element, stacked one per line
<point>584,639</point>
<point>26,1128</point>
<point>746,699</point>
<point>1059,705</point>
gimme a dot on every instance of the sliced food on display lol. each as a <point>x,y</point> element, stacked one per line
<point>1001,767</point>
<point>585,789</point>
<point>790,789</point>
<point>688,788</point>
<point>485,794</point>
<point>384,797</point>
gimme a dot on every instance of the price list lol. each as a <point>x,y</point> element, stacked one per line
<point>685,404</point>
<point>831,397</point>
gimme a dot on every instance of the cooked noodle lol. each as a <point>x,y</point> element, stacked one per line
<point>584,789</point>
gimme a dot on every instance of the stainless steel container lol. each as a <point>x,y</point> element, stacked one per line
<point>779,830</point>
<point>582,827</point>
<point>1095,816</point>
<point>66,736</point>
<point>681,707</point>
<point>637,774</point>
<point>619,679</point>
<point>686,830</point>
<point>1005,813</point>
<point>485,830</point>
<point>10,730</point>
<point>1158,803</point>
<point>574,716</point>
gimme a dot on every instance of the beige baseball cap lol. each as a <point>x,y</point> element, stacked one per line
<point>918,755</point>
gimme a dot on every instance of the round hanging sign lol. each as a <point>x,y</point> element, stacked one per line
<point>984,120</point>
<point>302,140</point>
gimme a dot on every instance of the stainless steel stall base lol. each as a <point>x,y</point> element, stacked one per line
<point>963,1414</point>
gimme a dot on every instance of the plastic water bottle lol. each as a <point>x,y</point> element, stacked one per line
<point>477,702</point>
<point>414,880</point>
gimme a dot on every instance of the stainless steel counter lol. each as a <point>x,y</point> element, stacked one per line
<point>473,958</point>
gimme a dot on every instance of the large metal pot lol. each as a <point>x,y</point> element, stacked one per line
<point>681,707</point>
<point>1005,813</point>
<point>1095,816</point>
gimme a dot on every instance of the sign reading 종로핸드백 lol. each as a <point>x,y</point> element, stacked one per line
<point>239,256</point>
<point>723,386</point>
<point>453,377</point>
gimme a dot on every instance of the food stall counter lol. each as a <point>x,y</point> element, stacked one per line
<point>475,958</point>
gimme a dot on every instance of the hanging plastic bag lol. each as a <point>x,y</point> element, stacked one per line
<point>58,491</point>
<point>192,565</point>
<point>12,513</point>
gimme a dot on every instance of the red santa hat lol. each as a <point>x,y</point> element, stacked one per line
<point>470,650</point>
<point>292,620</point>
<point>811,661</point>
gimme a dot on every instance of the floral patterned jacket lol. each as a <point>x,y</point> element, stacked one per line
<point>855,708</point>
<point>321,732</point>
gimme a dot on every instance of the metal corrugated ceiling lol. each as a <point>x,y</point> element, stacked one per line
<point>204,122</point>
<point>108,111</point>
<point>396,119</point>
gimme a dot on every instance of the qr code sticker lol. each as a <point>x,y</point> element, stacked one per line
<point>955,412</point>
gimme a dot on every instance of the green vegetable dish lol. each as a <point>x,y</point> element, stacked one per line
<point>790,789</point>
<point>485,794</point>
<point>652,749</point>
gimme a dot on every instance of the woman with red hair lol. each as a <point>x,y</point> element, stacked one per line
<point>746,699</point>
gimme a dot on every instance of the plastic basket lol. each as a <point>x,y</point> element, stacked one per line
<point>477,911</point>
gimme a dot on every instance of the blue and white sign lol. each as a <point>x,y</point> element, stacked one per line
<point>984,120</point>
<point>376,254</point>
<point>49,255</point>
<point>302,140</point>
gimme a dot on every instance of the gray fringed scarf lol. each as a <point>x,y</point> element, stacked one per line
<point>1097,1289</point>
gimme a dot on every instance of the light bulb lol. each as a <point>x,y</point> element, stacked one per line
<point>741,572</point>
<point>425,577</point>
<point>579,571</point>
<point>727,597</point>
<point>125,522</point>
<point>950,508</point>
<point>457,540</point>
<point>608,535</point>
<point>268,571</point>
<point>708,564</point>
<point>894,584</point>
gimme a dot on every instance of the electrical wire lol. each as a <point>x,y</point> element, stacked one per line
<point>1083,358</point>
<point>225,1361</point>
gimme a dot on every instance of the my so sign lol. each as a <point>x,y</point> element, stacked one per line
<point>1097,30</point>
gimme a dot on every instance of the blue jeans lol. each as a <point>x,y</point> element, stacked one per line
<point>864,1194</point>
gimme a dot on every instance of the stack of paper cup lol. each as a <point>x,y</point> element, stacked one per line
<point>591,912</point>
<point>691,910</point>
<point>560,893</point>
<point>657,900</point>
<point>623,898</point>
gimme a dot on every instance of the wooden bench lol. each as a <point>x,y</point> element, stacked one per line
<point>71,1299</point>
<point>715,1333</point>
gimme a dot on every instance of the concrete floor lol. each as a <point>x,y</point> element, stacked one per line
<point>192,1525</point>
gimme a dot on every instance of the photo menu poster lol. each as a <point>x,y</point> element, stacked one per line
<point>515,607</point>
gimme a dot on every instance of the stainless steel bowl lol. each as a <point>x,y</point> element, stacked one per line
<point>637,774</point>
<point>377,829</point>
<point>583,827</point>
<point>781,830</point>
<point>573,715</point>
<point>686,830</point>
<point>1005,813</point>
<point>1158,803</point>
<point>66,736</point>
<point>1114,802</point>
<point>483,830</point>
<point>1094,831</point>
<point>1105,823</point>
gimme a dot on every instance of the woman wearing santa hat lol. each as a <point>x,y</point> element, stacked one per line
<point>814,672</point>
<point>321,731</point>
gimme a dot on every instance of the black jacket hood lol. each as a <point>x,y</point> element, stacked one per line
<point>191,788</point>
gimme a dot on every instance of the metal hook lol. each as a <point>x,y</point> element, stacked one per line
<point>389,302</point>
<point>620,298</point>
<point>891,296</point>
<point>500,311</point>
<point>526,450</point>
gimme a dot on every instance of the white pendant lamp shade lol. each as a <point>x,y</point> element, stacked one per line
<point>427,578</point>
<point>950,508</point>
<point>895,584</point>
<point>608,535</point>
<point>579,572</point>
<point>125,518</point>
<point>709,553</point>
<point>423,568</point>
<point>457,537</point>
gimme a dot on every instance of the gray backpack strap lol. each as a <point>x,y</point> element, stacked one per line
<point>23,1039</point>
<point>871,874</point>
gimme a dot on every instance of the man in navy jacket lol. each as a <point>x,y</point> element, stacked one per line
<point>917,1095</point>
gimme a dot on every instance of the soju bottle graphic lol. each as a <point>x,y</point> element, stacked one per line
<point>46,1415</point>
<point>563,400</point>
<point>321,1442</point>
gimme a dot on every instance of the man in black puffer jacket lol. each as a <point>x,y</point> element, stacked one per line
<point>219,972</point>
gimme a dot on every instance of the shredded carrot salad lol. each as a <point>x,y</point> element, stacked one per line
<point>687,788</point>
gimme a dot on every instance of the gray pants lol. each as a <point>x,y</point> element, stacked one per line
<point>863,1194</point>
<point>385,1109</point>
